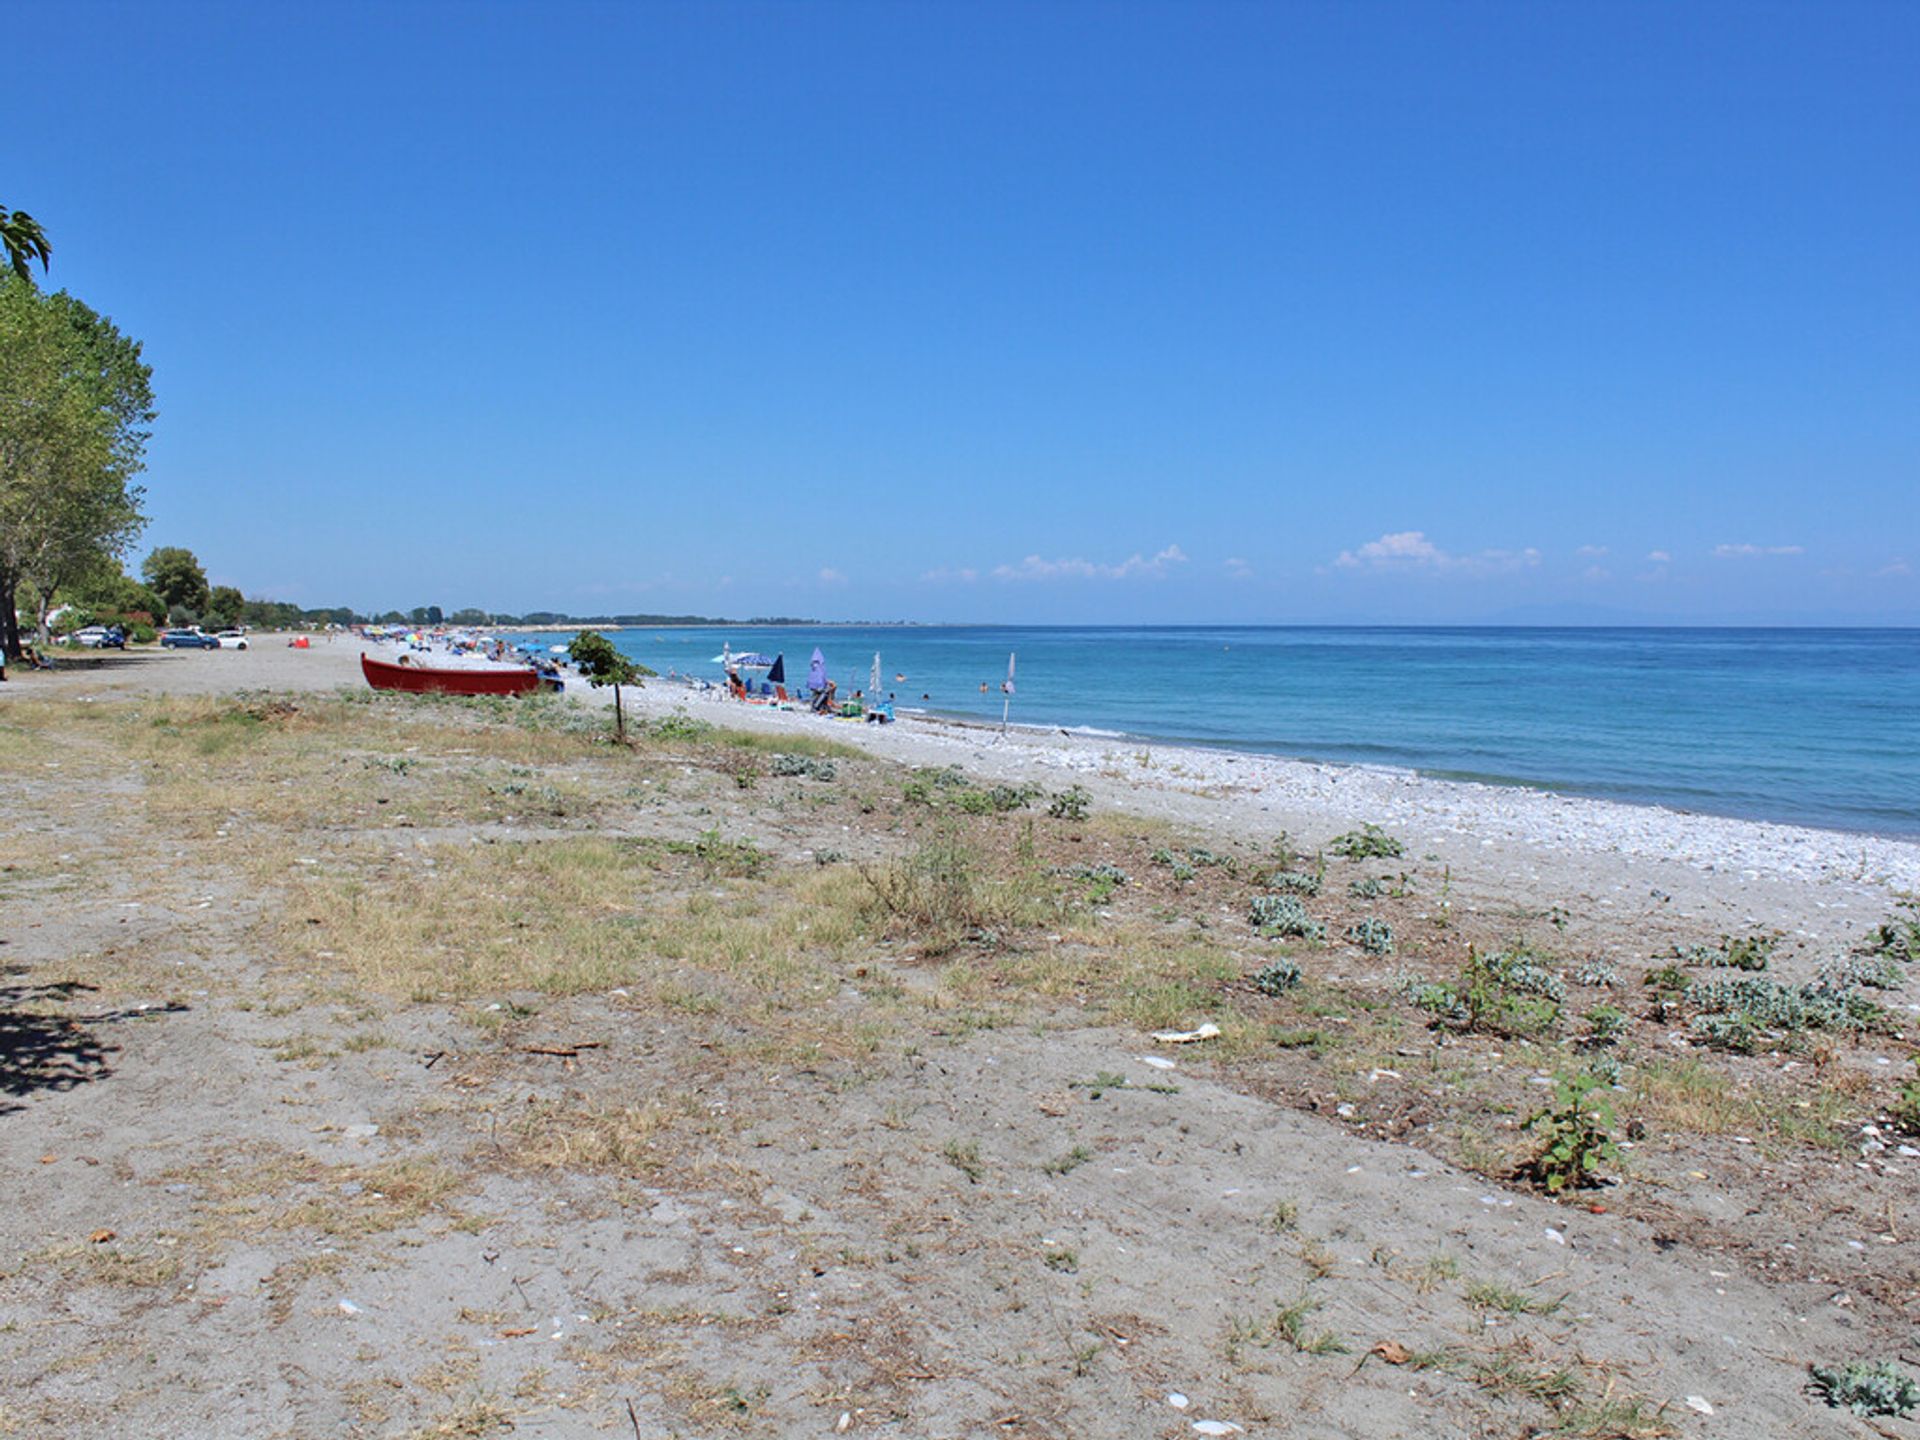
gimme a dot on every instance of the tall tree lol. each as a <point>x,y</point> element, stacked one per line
<point>75,403</point>
<point>177,577</point>
<point>25,242</point>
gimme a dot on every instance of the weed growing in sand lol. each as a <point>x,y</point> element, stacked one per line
<point>1283,915</point>
<point>1292,882</point>
<point>1284,1216</point>
<point>1605,1027</point>
<point>1073,803</point>
<point>1614,1419</point>
<point>964,1156</point>
<point>1290,1324</point>
<point>1369,842</point>
<point>1733,952</point>
<point>1066,1164</point>
<point>1485,1295</point>
<point>1898,938</point>
<point>1276,977</point>
<point>1737,1014</point>
<point>1866,1388</point>
<point>720,856</point>
<point>943,894</point>
<point>1106,1080</point>
<point>1067,1262</point>
<point>1576,1142</point>
<point>1506,993</point>
<point>1373,936</point>
<point>807,765</point>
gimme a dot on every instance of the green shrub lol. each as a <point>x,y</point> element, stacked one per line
<point>803,765</point>
<point>1507,993</point>
<point>1070,804</point>
<point>1369,842</point>
<point>1276,977</point>
<point>1373,936</point>
<point>1876,1388</point>
<point>1744,952</point>
<point>1575,1138</point>
<point>1367,888</point>
<point>1283,915</point>
<point>1898,938</point>
<point>1734,1014</point>
<point>1605,1027</point>
<point>1293,882</point>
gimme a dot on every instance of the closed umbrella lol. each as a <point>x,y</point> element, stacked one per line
<point>817,671</point>
<point>873,677</point>
<point>778,674</point>
<point>1006,689</point>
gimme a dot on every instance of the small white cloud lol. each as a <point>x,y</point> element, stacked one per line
<point>1591,552</point>
<point>831,576</point>
<point>945,575</point>
<point>1238,569</point>
<point>1134,567</point>
<point>1892,569</point>
<point>1658,557</point>
<point>1742,552</point>
<point>1406,550</point>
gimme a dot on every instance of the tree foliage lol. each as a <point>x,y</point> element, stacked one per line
<point>25,242</point>
<point>177,577</point>
<point>75,403</point>
<point>597,658</point>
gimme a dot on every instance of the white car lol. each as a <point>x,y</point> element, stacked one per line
<point>89,637</point>
<point>231,640</point>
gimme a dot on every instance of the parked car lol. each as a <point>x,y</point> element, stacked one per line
<point>100,637</point>
<point>231,639</point>
<point>189,640</point>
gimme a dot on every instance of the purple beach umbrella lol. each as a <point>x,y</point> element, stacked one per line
<point>817,671</point>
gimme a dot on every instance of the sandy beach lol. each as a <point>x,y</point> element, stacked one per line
<point>393,1068</point>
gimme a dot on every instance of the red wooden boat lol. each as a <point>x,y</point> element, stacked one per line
<point>382,676</point>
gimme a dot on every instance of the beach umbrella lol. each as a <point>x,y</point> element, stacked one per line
<point>1006,689</point>
<point>873,678</point>
<point>778,674</point>
<point>817,671</point>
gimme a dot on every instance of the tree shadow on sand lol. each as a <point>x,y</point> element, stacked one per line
<point>39,1051</point>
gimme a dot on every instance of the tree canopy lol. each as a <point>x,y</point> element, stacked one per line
<point>597,658</point>
<point>75,403</point>
<point>177,577</point>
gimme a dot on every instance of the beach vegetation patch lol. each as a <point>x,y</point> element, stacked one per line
<point>1877,1387</point>
<point>1576,1140</point>
<point>812,767</point>
<point>1897,938</point>
<point>1731,952</point>
<point>1276,977</point>
<point>1504,993</point>
<point>1737,1014</point>
<point>1369,842</point>
<point>1373,936</point>
<point>1283,915</point>
<point>1073,803</point>
<point>946,892</point>
<point>1292,882</point>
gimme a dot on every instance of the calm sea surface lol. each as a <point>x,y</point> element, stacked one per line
<point>1817,727</point>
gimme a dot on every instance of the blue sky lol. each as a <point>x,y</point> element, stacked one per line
<point>1020,313</point>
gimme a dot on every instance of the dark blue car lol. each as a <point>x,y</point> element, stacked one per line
<point>188,640</point>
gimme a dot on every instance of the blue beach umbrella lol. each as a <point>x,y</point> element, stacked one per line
<point>817,671</point>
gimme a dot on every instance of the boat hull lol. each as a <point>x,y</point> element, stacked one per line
<point>421,678</point>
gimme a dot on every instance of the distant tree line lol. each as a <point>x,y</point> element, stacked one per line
<point>172,589</point>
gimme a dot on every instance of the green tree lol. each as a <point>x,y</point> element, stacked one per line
<point>25,242</point>
<point>602,664</point>
<point>224,604</point>
<point>75,403</point>
<point>176,575</point>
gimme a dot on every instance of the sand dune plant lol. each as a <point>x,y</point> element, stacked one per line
<point>945,893</point>
<point>1276,977</point>
<point>1073,803</point>
<point>1369,842</point>
<point>1866,1388</point>
<point>1505,993</point>
<point>1738,1014</point>
<point>1576,1143</point>
<point>1283,915</point>
<point>1373,936</point>
<point>1733,952</point>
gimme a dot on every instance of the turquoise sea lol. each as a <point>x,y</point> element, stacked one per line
<point>1817,727</point>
